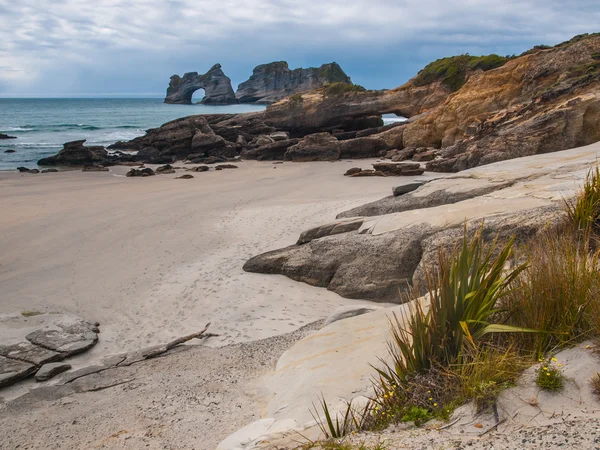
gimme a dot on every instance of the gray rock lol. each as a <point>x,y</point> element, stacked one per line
<point>34,354</point>
<point>263,140</point>
<point>272,82</point>
<point>12,370</point>
<point>10,150</point>
<point>50,370</point>
<point>69,337</point>
<point>342,226</point>
<point>406,188</point>
<point>268,152</point>
<point>363,147</point>
<point>346,312</point>
<point>314,147</point>
<point>280,136</point>
<point>50,170</point>
<point>206,141</point>
<point>6,136</point>
<point>94,168</point>
<point>216,85</point>
<point>399,169</point>
<point>76,154</point>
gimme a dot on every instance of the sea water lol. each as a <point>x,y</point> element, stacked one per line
<point>42,126</point>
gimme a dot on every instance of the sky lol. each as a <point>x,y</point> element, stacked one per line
<point>54,48</point>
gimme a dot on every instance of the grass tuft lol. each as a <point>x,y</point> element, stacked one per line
<point>30,313</point>
<point>549,377</point>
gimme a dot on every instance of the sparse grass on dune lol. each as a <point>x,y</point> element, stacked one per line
<point>488,318</point>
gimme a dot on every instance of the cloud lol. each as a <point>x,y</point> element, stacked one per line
<point>76,46</point>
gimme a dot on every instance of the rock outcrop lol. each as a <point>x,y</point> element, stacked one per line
<point>271,82</point>
<point>378,250</point>
<point>76,154</point>
<point>216,85</point>
<point>6,136</point>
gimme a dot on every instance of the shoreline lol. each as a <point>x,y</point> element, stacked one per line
<point>151,258</point>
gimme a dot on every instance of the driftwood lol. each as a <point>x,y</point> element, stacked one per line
<point>152,352</point>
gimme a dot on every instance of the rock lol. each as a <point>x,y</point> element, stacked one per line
<point>401,155</point>
<point>272,82</point>
<point>406,188</point>
<point>140,172</point>
<point>314,147</point>
<point>33,354</point>
<point>352,171</point>
<point>200,169</point>
<point>6,136</point>
<point>262,140</point>
<point>185,176</point>
<point>364,147</point>
<point>69,337</point>
<point>338,227</point>
<point>166,169</point>
<point>94,168</point>
<point>49,170</point>
<point>399,169</point>
<point>23,169</point>
<point>369,173</point>
<point>10,150</point>
<point>280,136</point>
<point>50,370</point>
<point>76,154</point>
<point>226,166</point>
<point>346,312</point>
<point>202,142</point>
<point>268,152</point>
<point>424,156</point>
<point>33,171</point>
<point>12,370</point>
<point>216,85</point>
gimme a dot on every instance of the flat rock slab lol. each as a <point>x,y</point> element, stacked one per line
<point>50,370</point>
<point>71,336</point>
<point>12,370</point>
<point>28,352</point>
<point>406,188</point>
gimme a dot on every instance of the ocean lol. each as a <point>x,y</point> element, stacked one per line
<point>43,125</point>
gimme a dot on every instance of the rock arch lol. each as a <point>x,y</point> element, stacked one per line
<point>216,85</point>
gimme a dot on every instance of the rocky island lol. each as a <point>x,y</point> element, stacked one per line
<point>268,84</point>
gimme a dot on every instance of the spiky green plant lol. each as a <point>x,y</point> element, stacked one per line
<point>584,211</point>
<point>340,426</point>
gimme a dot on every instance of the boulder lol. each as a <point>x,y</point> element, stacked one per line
<point>280,136</point>
<point>50,370</point>
<point>364,147</point>
<point>10,150</point>
<point>166,169</point>
<point>6,136</point>
<point>314,147</point>
<point>12,370</point>
<point>274,81</point>
<point>216,85</point>
<point>399,169</point>
<point>424,156</point>
<point>262,140</point>
<point>202,142</point>
<point>225,166</point>
<point>49,170</point>
<point>200,169</point>
<point>352,171</point>
<point>140,172</point>
<point>76,154</point>
<point>94,168</point>
<point>268,152</point>
<point>185,176</point>
<point>33,171</point>
<point>23,169</point>
<point>68,337</point>
<point>369,173</point>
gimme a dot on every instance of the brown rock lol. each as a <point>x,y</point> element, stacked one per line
<point>352,171</point>
<point>314,147</point>
<point>399,169</point>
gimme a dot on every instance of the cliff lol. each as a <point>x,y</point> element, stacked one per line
<point>271,82</point>
<point>216,85</point>
<point>475,110</point>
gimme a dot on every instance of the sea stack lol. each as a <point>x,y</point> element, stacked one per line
<point>271,82</point>
<point>216,85</point>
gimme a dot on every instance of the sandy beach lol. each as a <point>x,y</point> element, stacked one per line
<point>156,258</point>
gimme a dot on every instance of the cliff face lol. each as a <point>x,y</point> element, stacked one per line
<point>270,83</point>
<point>475,110</point>
<point>216,85</point>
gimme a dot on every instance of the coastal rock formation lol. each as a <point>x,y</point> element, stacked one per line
<point>76,154</point>
<point>397,236</point>
<point>271,82</point>
<point>314,147</point>
<point>31,340</point>
<point>6,136</point>
<point>216,85</point>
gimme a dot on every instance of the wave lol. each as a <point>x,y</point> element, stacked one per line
<point>9,129</point>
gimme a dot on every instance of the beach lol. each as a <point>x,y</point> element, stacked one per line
<point>156,258</point>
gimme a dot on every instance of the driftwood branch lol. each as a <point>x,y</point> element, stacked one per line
<point>160,349</point>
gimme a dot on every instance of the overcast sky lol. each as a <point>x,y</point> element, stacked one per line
<point>70,47</point>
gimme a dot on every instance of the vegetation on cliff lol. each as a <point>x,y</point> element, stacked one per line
<point>452,71</point>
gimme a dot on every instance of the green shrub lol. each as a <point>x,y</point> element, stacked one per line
<point>452,71</point>
<point>338,89</point>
